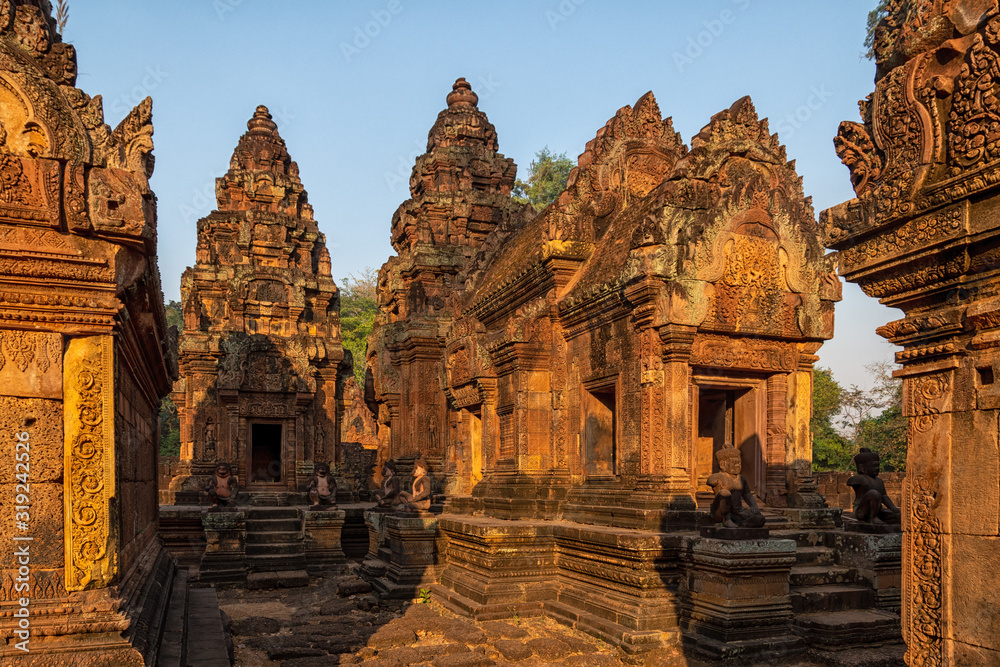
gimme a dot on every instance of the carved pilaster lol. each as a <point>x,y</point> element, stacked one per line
<point>89,463</point>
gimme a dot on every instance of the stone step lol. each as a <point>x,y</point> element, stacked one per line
<point>277,579</point>
<point>836,597</point>
<point>206,638</point>
<point>821,575</point>
<point>814,556</point>
<point>171,652</point>
<point>276,562</point>
<point>272,513</point>
<point>273,537</point>
<point>273,525</point>
<point>843,629</point>
<point>802,538</point>
<point>275,549</point>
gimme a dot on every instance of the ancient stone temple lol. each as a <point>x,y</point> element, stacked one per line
<point>260,351</point>
<point>923,236</point>
<point>595,358</point>
<point>460,192</point>
<point>82,364</point>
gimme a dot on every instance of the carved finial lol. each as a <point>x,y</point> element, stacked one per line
<point>261,120</point>
<point>461,93</point>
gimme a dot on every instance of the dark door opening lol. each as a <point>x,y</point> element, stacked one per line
<point>265,453</point>
<point>729,418</point>
<point>599,425</point>
<point>715,428</point>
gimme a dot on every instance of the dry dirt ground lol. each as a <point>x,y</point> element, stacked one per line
<point>338,621</point>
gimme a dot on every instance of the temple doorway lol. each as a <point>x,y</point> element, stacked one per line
<point>730,416</point>
<point>599,429</point>
<point>265,453</point>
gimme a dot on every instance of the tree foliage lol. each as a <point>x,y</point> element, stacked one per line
<point>170,426</point>
<point>175,316</point>
<point>358,305</point>
<point>170,429</point>
<point>831,450</point>
<point>874,17</point>
<point>62,14</point>
<point>844,420</point>
<point>547,177</point>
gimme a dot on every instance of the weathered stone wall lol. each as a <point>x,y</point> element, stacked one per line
<point>833,486</point>
<point>83,363</point>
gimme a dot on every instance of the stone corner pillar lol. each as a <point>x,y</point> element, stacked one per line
<point>735,601</point>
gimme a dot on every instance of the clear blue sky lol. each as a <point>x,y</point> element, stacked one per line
<point>355,87</point>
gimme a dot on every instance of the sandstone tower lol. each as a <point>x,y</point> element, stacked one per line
<point>260,351</point>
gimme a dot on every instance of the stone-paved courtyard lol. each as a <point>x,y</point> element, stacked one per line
<point>338,620</point>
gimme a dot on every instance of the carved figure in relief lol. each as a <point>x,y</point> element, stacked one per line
<point>731,491</point>
<point>420,499</point>
<point>223,486</point>
<point>209,436</point>
<point>322,488</point>
<point>389,493</point>
<point>869,491</point>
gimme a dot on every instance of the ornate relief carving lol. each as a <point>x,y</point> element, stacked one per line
<point>507,443</point>
<point>924,564</point>
<point>29,191</point>
<point>119,203</point>
<point>23,347</point>
<point>974,120</point>
<point>89,472</point>
<point>725,352</point>
<point>466,396</point>
<point>929,396</point>
<point>749,294</point>
<point>916,233</point>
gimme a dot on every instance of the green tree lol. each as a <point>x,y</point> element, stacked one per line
<point>170,426</point>
<point>874,17</point>
<point>170,429</point>
<point>358,305</point>
<point>175,316</point>
<point>831,450</point>
<point>845,420</point>
<point>885,432</point>
<point>547,177</point>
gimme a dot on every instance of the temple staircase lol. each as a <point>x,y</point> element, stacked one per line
<point>275,548</point>
<point>835,607</point>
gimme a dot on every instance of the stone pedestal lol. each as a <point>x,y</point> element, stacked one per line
<point>323,549</point>
<point>735,600</point>
<point>877,557</point>
<point>810,517</point>
<point>413,554</point>
<point>224,561</point>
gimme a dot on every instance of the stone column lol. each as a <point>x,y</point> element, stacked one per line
<point>736,602</point>
<point>413,555</point>
<point>224,560</point>
<point>324,553</point>
<point>666,443</point>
